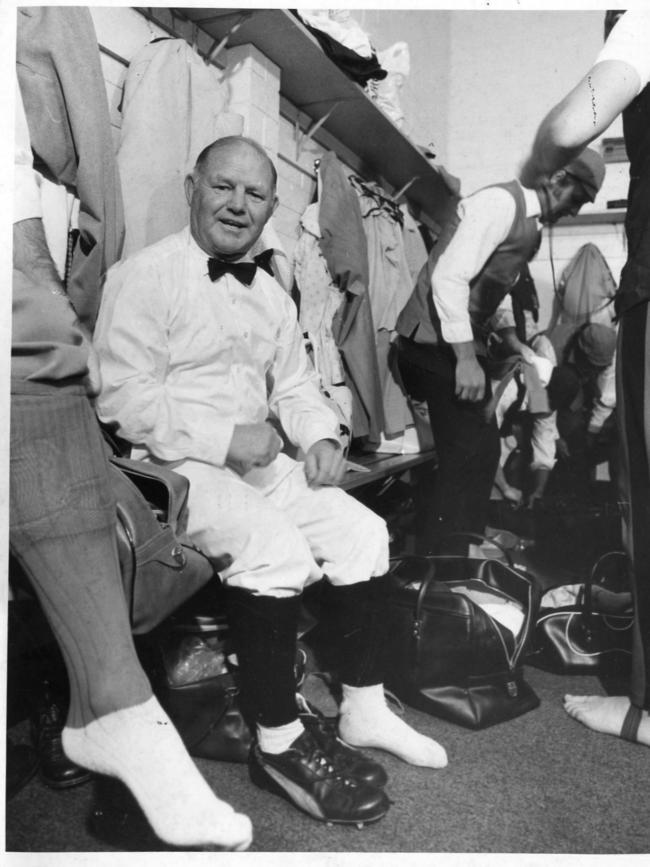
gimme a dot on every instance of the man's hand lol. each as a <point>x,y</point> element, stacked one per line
<point>253,445</point>
<point>324,464</point>
<point>470,377</point>
<point>562,449</point>
<point>527,354</point>
<point>470,380</point>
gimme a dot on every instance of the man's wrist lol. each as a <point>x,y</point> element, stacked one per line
<point>464,351</point>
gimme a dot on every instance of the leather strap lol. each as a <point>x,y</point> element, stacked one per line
<point>631,723</point>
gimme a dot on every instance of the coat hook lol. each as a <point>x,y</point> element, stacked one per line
<point>398,195</point>
<point>303,138</point>
<point>218,46</point>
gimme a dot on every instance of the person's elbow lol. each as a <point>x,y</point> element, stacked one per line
<point>561,130</point>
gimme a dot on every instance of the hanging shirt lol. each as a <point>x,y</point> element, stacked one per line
<point>320,298</point>
<point>184,360</point>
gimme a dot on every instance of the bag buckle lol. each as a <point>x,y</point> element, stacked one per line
<point>512,689</point>
<point>179,555</point>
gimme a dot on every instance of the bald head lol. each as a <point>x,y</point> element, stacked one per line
<point>233,141</point>
<point>231,194</point>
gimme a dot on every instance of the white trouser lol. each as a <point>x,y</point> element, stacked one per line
<point>281,533</point>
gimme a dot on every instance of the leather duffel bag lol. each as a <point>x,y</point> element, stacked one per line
<point>588,627</point>
<point>449,655</point>
<point>160,566</point>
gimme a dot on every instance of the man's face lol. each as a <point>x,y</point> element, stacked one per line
<point>566,196</point>
<point>231,199</point>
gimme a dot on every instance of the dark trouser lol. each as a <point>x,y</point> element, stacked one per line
<point>633,413</point>
<point>467,444</point>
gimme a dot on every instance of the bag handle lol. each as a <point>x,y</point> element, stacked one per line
<point>587,600</point>
<point>422,592</point>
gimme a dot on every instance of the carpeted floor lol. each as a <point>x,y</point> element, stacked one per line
<point>538,784</point>
<point>541,783</point>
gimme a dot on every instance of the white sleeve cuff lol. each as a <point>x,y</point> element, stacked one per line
<point>457,332</point>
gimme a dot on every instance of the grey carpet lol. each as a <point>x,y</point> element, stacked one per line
<point>538,784</point>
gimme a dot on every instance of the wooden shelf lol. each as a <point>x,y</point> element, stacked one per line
<point>316,86</point>
<point>593,219</point>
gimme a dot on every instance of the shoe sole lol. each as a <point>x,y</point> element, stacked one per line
<point>67,784</point>
<point>272,781</point>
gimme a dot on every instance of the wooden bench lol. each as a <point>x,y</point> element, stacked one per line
<point>377,466</point>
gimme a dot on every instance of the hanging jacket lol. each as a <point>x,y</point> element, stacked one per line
<point>60,77</point>
<point>343,243</point>
<point>585,290</point>
<point>174,104</point>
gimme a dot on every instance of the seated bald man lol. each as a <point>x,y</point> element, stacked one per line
<point>200,351</point>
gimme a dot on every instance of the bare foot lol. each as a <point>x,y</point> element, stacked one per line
<point>605,714</point>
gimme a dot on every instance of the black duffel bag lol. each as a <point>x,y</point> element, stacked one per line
<point>447,655</point>
<point>587,628</point>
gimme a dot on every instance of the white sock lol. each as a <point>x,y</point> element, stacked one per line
<point>278,739</point>
<point>140,746</point>
<point>365,720</point>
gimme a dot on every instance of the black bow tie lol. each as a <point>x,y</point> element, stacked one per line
<point>242,271</point>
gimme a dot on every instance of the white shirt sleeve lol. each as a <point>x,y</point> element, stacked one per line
<point>27,198</point>
<point>629,42</point>
<point>543,441</point>
<point>606,402</point>
<point>486,217</point>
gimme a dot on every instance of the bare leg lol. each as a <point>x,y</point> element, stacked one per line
<point>606,714</point>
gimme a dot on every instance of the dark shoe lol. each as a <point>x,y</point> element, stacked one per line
<point>21,766</point>
<point>305,775</point>
<point>55,768</point>
<point>118,820</point>
<point>345,758</point>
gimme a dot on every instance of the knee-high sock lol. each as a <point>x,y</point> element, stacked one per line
<point>62,533</point>
<point>264,633</point>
